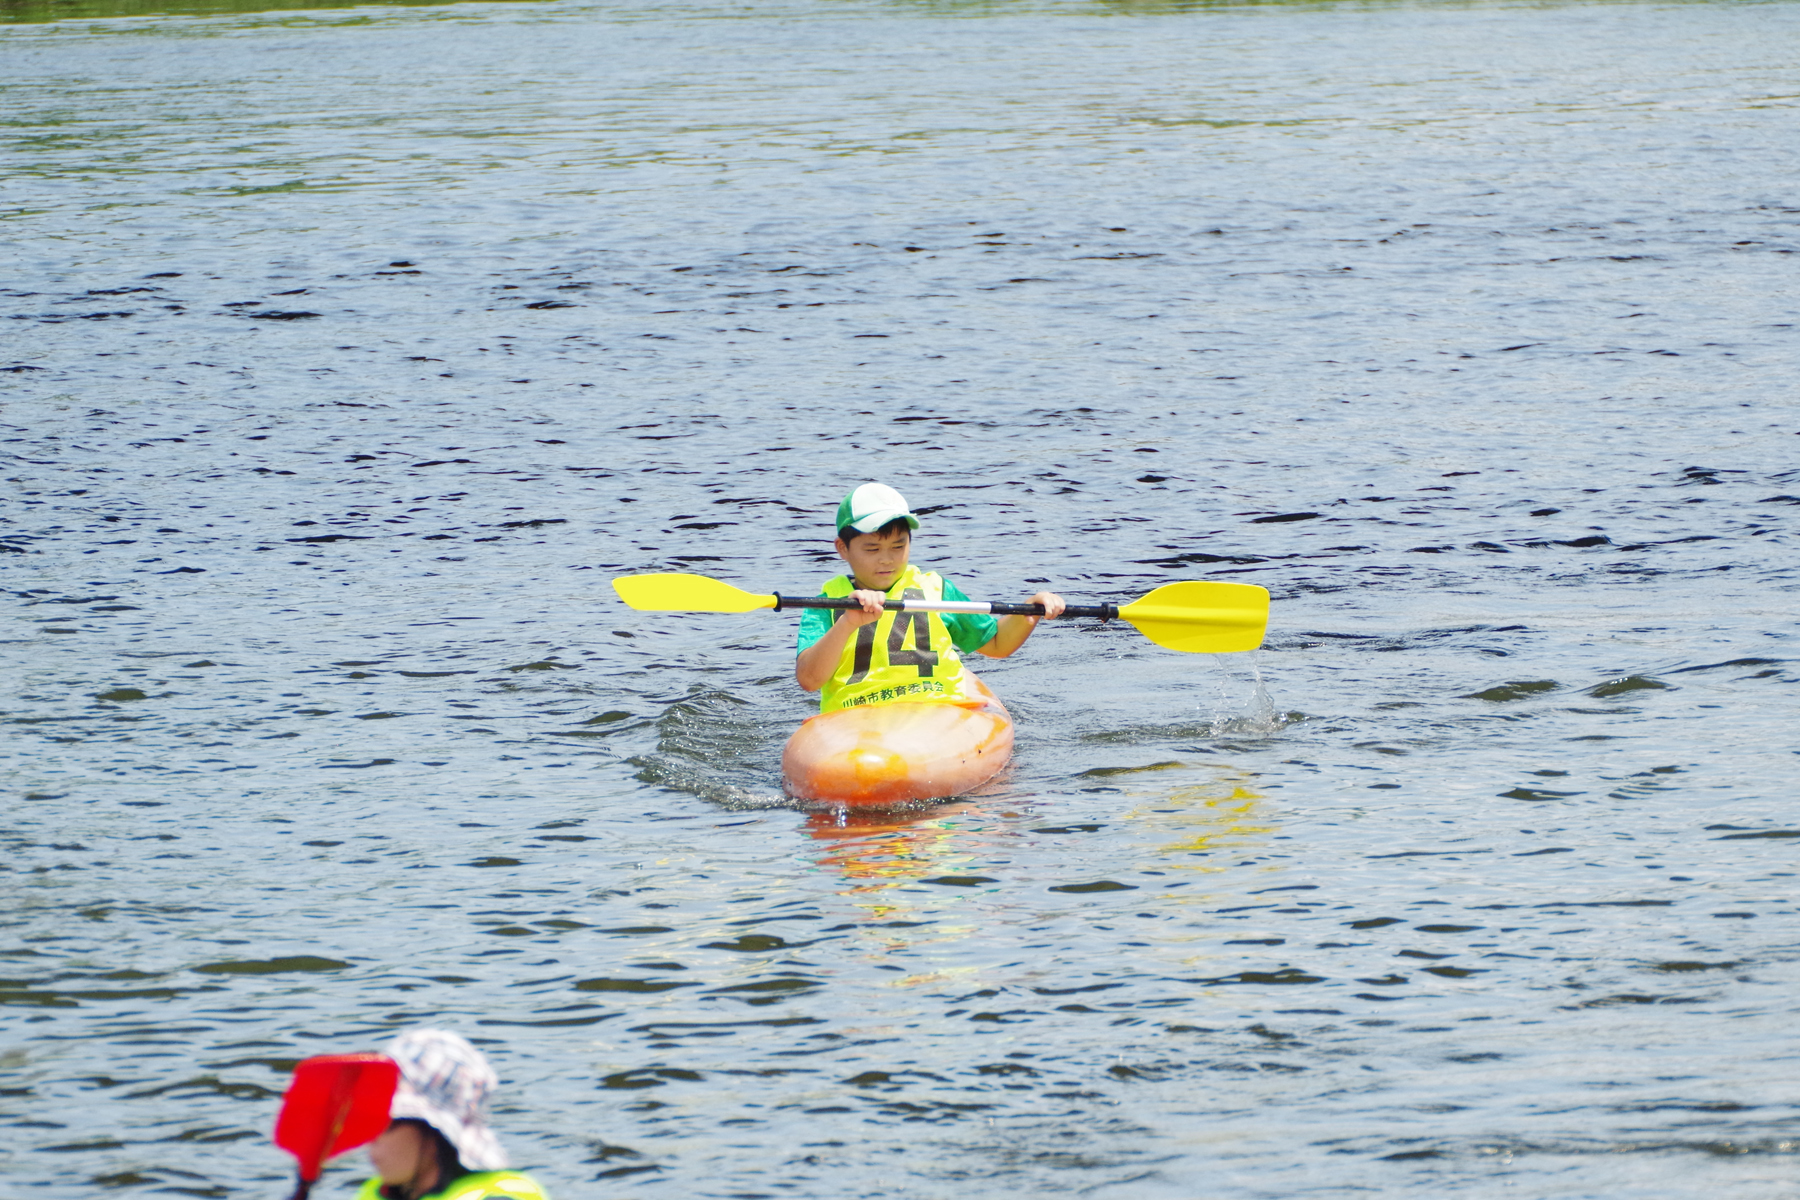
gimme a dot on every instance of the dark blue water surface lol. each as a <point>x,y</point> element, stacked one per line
<point>350,352</point>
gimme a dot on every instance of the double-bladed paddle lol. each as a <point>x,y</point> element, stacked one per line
<point>1193,617</point>
<point>335,1102</point>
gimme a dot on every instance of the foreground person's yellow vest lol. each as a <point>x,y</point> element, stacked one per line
<point>480,1185</point>
<point>902,656</point>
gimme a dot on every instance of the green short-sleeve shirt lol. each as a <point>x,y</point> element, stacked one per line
<point>969,632</point>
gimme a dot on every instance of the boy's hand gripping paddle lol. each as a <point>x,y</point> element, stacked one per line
<point>1193,617</point>
<point>335,1102</point>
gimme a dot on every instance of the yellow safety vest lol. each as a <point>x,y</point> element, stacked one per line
<point>479,1185</point>
<point>901,656</point>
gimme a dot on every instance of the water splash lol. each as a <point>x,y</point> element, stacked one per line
<point>1240,705</point>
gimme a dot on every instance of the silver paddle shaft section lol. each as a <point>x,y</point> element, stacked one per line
<point>1104,612</point>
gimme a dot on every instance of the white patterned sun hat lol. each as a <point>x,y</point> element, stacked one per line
<point>445,1082</point>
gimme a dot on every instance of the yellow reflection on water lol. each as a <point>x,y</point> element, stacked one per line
<point>879,854</point>
<point>1213,816</point>
<point>878,850</point>
<point>1191,819</point>
<point>1210,826</point>
<point>1219,814</point>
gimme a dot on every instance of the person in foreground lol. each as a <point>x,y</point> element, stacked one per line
<point>872,655</point>
<point>439,1146</point>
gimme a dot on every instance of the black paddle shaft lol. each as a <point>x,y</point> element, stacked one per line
<point>1104,612</point>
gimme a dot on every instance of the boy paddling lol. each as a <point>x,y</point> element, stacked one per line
<point>874,655</point>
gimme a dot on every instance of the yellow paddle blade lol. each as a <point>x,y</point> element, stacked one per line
<point>1202,618</point>
<point>686,593</point>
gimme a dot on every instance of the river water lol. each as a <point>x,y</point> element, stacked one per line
<point>351,351</point>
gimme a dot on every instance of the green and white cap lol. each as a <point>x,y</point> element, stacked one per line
<point>871,506</point>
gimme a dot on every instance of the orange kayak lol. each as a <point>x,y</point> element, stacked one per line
<point>881,755</point>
